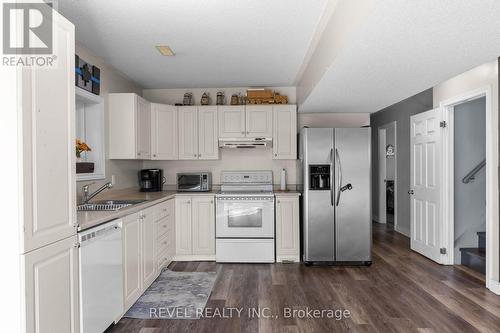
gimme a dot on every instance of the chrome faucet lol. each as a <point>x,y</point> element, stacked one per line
<point>87,197</point>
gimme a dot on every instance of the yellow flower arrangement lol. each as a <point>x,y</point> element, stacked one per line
<point>81,147</point>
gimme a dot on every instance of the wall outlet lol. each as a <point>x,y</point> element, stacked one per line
<point>113,180</point>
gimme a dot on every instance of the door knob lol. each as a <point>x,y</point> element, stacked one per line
<point>411,192</point>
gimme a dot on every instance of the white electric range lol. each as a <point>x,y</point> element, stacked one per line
<point>245,217</point>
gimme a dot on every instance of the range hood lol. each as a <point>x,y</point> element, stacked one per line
<point>245,143</point>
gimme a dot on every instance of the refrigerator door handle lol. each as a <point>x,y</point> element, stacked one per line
<point>339,168</point>
<point>332,182</point>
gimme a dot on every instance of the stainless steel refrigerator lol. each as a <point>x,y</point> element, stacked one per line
<point>336,171</point>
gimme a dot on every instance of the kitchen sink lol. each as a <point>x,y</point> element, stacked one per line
<point>107,205</point>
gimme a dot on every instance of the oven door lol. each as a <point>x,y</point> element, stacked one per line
<point>189,182</point>
<point>245,217</point>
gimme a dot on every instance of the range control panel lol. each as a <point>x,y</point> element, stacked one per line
<point>247,177</point>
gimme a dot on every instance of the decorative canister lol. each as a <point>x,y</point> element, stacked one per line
<point>205,99</point>
<point>235,100</point>
<point>220,98</point>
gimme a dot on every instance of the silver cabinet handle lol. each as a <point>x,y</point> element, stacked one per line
<point>154,155</point>
<point>189,202</point>
<point>332,181</point>
<point>339,167</point>
<point>243,132</point>
<point>211,201</point>
<point>248,132</point>
<point>194,155</point>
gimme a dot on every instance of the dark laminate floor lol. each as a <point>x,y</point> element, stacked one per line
<point>401,292</point>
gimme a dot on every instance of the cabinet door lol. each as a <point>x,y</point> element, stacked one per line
<point>259,121</point>
<point>51,288</point>
<point>208,141</point>
<point>231,121</point>
<point>284,132</point>
<point>188,132</point>
<point>287,228</point>
<point>143,128</point>
<point>183,245</point>
<point>164,142</point>
<point>203,222</point>
<point>148,248</point>
<point>122,126</point>
<point>48,113</point>
<point>131,238</point>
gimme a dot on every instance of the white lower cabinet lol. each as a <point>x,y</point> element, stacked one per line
<point>148,247</point>
<point>131,238</point>
<point>148,238</point>
<point>195,227</point>
<point>165,235</point>
<point>51,288</point>
<point>203,225</point>
<point>287,228</point>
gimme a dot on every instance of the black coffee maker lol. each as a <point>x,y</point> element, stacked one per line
<point>151,180</point>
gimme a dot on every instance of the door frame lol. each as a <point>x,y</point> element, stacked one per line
<point>448,176</point>
<point>382,169</point>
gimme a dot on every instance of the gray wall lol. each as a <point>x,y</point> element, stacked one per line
<point>470,199</point>
<point>401,113</point>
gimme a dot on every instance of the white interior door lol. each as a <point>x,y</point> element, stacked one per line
<point>425,183</point>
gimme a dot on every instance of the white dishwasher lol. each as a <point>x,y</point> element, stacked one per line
<point>101,276</point>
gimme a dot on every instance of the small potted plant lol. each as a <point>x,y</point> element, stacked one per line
<point>82,167</point>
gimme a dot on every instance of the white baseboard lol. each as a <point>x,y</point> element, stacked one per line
<point>403,231</point>
<point>193,257</point>
<point>494,286</point>
<point>293,258</point>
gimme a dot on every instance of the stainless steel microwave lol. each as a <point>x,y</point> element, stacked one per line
<point>194,182</point>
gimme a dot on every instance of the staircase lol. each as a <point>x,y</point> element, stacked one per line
<point>475,257</point>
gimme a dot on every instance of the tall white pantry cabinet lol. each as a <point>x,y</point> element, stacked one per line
<point>48,226</point>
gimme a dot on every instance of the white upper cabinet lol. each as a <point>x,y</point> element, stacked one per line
<point>251,121</point>
<point>47,99</point>
<point>188,133</point>
<point>259,121</point>
<point>143,128</point>
<point>285,132</point>
<point>208,145</point>
<point>164,132</point>
<point>198,137</point>
<point>129,127</point>
<point>232,121</point>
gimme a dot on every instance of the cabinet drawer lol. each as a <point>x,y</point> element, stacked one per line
<point>163,243</point>
<point>163,260</point>
<point>164,210</point>
<point>163,226</point>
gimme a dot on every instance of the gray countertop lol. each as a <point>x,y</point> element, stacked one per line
<point>91,219</point>
<point>88,220</point>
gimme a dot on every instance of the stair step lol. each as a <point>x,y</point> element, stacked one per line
<point>474,258</point>
<point>481,242</point>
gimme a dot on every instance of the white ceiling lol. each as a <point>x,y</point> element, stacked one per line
<point>404,47</point>
<point>218,43</point>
